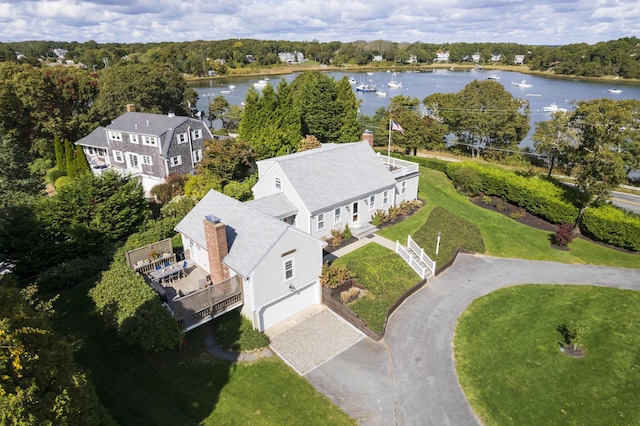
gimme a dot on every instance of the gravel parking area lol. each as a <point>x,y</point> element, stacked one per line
<point>314,341</point>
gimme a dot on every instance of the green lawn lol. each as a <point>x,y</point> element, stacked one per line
<point>503,236</point>
<point>511,368</point>
<point>386,277</point>
<point>187,386</point>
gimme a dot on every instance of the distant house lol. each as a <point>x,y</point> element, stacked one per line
<point>442,57</point>
<point>475,57</point>
<point>518,59</point>
<point>291,57</point>
<point>378,58</point>
<point>60,53</point>
<point>496,57</point>
<point>149,147</point>
<point>412,59</point>
<point>277,265</point>
<point>333,186</point>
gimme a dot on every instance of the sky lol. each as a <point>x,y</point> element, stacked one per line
<point>541,22</point>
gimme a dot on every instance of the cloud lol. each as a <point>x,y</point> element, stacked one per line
<point>430,21</point>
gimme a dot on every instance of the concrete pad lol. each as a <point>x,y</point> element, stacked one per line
<point>315,340</point>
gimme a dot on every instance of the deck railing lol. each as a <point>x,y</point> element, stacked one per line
<point>203,305</point>
<point>422,256</point>
<point>397,167</point>
<point>415,257</point>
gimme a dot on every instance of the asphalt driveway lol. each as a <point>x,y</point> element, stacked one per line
<point>409,378</point>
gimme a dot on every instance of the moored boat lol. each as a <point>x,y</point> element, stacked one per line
<point>615,91</point>
<point>493,77</point>
<point>365,88</point>
<point>523,83</point>
<point>554,108</point>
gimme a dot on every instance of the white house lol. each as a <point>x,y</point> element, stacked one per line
<point>518,59</point>
<point>333,186</point>
<point>442,57</point>
<point>278,264</point>
<point>148,147</point>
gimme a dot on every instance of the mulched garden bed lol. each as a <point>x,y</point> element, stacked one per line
<point>516,213</point>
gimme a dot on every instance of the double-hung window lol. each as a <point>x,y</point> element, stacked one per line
<point>182,138</point>
<point>320,221</point>
<point>385,198</point>
<point>115,136</point>
<point>197,134</point>
<point>117,156</point>
<point>176,161</point>
<point>146,160</point>
<point>372,202</point>
<point>278,183</point>
<point>133,138</point>
<point>403,187</point>
<point>288,270</point>
<point>197,155</point>
<point>336,216</point>
<point>149,141</point>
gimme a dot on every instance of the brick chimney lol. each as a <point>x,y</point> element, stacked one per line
<point>216,236</point>
<point>130,107</point>
<point>368,136</point>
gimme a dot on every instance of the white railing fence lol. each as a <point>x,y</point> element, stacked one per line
<point>408,257</point>
<point>422,256</point>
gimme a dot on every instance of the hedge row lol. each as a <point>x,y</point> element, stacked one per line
<point>538,196</point>
<point>612,225</point>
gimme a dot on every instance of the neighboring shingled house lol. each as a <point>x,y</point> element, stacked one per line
<point>149,147</point>
<point>279,264</point>
<point>336,185</point>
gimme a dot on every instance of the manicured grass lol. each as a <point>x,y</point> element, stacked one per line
<point>187,386</point>
<point>503,236</point>
<point>455,233</point>
<point>511,368</point>
<point>386,277</point>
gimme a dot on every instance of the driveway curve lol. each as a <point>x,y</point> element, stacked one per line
<point>409,378</point>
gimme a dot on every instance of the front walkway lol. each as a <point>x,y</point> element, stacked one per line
<point>385,242</point>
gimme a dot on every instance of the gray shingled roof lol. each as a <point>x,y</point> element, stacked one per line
<point>145,123</point>
<point>95,139</point>
<point>250,233</point>
<point>335,174</point>
<point>276,205</point>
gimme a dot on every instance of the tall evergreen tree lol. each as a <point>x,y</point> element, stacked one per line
<point>320,109</point>
<point>81,162</point>
<point>350,128</point>
<point>59,148</point>
<point>70,159</point>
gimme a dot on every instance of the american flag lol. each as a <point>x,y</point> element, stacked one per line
<point>396,126</point>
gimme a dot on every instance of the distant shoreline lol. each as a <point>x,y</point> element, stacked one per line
<point>381,67</point>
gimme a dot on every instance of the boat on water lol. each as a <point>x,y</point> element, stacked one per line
<point>232,87</point>
<point>352,80</point>
<point>225,92</point>
<point>393,84</point>
<point>534,95</point>
<point>615,91</point>
<point>260,84</point>
<point>554,108</point>
<point>369,73</point>
<point>493,77</point>
<point>381,93</point>
<point>523,84</point>
<point>365,88</point>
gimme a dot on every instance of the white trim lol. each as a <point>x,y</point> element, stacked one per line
<point>175,161</point>
<point>290,269</point>
<point>182,138</point>
<point>133,139</point>
<point>149,140</point>
<point>118,157</point>
<point>146,160</point>
<point>320,221</point>
<point>197,155</point>
<point>337,218</point>
<point>114,136</point>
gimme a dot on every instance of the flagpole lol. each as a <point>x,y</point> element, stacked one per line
<point>389,148</point>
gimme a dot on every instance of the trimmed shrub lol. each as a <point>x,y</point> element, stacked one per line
<point>347,232</point>
<point>54,174</point>
<point>62,181</point>
<point>612,225</point>
<point>540,197</point>
<point>379,217</point>
<point>133,309</point>
<point>467,181</point>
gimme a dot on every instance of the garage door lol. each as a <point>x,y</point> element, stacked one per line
<point>288,306</point>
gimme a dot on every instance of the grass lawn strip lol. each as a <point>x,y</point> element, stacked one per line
<point>187,386</point>
<point>386,277</point>
<point>503,236</point>
<point>512,371</point>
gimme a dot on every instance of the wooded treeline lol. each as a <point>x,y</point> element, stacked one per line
<point>611,58</point>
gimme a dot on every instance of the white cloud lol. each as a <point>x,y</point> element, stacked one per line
<point>430,21</point>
